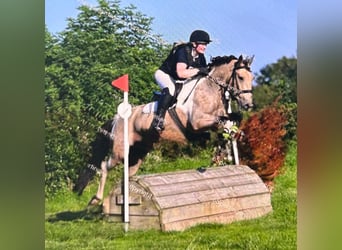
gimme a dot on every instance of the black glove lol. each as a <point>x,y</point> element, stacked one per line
<point>203,71</point>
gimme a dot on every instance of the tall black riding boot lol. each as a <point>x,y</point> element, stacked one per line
<point>163,104</point>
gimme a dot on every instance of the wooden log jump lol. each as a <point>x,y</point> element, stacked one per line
<point>179,200</point>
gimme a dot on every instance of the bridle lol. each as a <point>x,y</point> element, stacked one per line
<point>232,87</point>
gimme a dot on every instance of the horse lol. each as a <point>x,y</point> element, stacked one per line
<point>201,105</point>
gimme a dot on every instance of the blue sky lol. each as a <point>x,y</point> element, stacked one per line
<point>264,28</point>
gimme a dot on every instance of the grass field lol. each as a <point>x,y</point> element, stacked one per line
<point>69,225</point>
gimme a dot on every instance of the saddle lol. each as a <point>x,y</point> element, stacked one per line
<point>187,131</point>
<point>185,88</point>
<point>178,89</point>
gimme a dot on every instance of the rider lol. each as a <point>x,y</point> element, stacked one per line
<point>186,62</point>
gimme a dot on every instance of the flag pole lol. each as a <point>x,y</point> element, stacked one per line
<point>126,171</point>
<point>125,111</point>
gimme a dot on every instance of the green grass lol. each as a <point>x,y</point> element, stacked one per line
<point>69,225</point>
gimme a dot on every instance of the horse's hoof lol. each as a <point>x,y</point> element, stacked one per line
<point>94,201</point>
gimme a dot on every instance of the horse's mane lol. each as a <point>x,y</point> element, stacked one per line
<point>219,60</point>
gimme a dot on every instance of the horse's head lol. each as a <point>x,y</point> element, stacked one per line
<point>234,74</point>
<point>240,82</point>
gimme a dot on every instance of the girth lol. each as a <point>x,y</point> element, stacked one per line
<point>188,132</point>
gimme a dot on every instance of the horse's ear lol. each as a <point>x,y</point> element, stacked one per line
<point>240,59</point>
<point>249,60</point>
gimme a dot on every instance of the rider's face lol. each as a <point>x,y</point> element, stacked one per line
<point>201,47</point>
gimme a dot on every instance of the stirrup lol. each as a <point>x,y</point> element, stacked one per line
<point>159,124</point>
<point>159,128</point>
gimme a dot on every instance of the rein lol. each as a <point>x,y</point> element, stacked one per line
<point>191,90</point>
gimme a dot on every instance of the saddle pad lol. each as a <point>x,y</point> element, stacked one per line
<point>150,107</point>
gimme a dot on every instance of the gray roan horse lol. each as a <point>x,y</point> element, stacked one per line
<point>201,105</point>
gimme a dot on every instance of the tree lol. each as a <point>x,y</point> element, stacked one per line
<point>101,44</point>
<point>278,81</point>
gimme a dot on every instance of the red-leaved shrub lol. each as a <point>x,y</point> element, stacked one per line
<point>262,147</point>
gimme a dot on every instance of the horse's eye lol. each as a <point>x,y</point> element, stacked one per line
<point>240,78</point>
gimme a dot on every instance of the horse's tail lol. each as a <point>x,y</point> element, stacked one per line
<point>99,150</point>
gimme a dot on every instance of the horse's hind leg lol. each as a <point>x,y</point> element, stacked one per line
<point>136,155</point>
<point>133,169</point>
<point>100,148</point>
<point>105,166</point>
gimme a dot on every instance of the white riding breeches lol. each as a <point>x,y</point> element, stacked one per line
<point>165,81</point>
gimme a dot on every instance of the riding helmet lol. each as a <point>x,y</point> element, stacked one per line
<point>200,36</point>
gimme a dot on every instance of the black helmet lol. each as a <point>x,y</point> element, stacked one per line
<point>200,36</point>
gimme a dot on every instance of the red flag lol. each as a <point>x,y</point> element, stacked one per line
<point>121,83</point>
